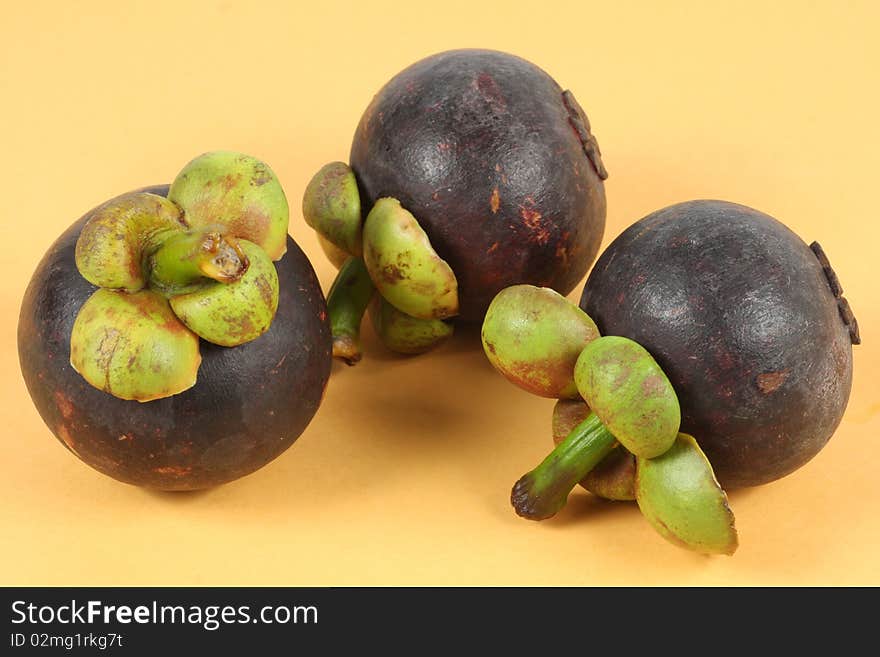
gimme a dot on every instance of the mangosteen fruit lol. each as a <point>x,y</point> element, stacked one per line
<point>470,171</point>
<point>175,337</point>
<point>747,321</point>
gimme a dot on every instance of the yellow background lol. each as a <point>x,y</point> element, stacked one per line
<point>403,477</point>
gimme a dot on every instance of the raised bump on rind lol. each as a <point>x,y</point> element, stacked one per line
<point>843,307</point>
<point>581,124</point>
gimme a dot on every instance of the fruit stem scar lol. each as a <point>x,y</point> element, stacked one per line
<point>541,493</point>
<point>581,124</point>
<point>846,313</point>
<point>347,302</point>
<point>226,262</point>
<point>187,258</point>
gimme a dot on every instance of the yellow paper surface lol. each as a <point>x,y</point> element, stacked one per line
<point>404,475</point>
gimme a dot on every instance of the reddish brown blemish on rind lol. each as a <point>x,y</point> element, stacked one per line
<point>495,201</point>
<point>278,365</point>
<point>770,381</point>
<point>532,220</point>
<point>488,88</point>
<point>174,470</point>
<point>64,405</point>
<point>562,253</point>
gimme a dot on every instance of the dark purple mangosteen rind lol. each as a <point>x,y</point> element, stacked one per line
<point>496,163</point>
<point>249,404</point>
<point>741,316</point>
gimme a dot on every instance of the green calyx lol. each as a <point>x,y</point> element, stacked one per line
<point>206,251</point>
<point>615,424</point>
<point>629,400</point>
<point>615,475</point>
<point>335,255</point>
<point>679,495</point>
<point>405,334</point>
<point>233,313</point>
<point>404,266</point>
<point>346,304</point>
<point>614,478</point>
<point>533,336</point>
<point>120,234</point>
<point>416,288</point>
<point>351,295</point>
<point>236,191</point>
<point>187,259</point>
<point>548,346</point>
<point>626,388</point>
<point>567,414</point>
<point>132,346</point>
<point>541,493</point>
<point>332,206</point>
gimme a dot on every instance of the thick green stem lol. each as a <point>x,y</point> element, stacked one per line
<point>543,491</point>
<point>186,259</point>
<point>346,304</point>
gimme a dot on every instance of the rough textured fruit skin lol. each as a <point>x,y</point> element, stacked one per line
<point>484,151</point>
<point>249,404</point>
<point>737,311</point>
